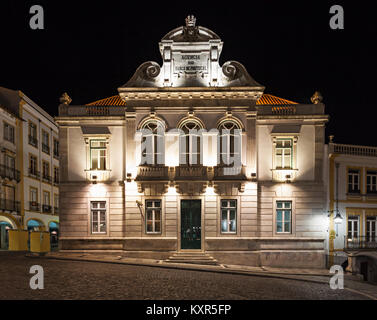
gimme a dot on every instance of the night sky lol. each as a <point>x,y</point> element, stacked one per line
<point>90,48</point>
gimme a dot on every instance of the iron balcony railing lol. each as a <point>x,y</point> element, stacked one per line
<point>56,181</point>
<point>56,210</point>
<point>33,172</point>
<point>46,208</point>
<point>45,148</point>
<point>34,206</point>
<point>56,153</point>
<point>33,141</point>
<point>362,243</point>
<point>10,205</point>
<point>46,178</point>
<point>10,173</point>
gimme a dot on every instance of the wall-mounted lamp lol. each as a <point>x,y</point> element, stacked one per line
<point>338,218</point>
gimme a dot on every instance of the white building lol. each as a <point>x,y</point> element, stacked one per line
<point>171,192</point>
<point>352,197</point>
<point>29,165</point>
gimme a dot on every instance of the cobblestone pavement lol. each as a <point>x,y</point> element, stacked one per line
<point>95,280</point>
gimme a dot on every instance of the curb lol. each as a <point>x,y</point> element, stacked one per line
<point>202,268</point>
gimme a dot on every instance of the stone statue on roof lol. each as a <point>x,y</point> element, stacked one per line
<point>316,98</point>
<point>65,98</point>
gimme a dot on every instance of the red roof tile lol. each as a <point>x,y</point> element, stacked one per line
<point>266,99</point>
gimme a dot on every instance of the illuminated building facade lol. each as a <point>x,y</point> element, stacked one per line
<point>193,158</point>
<point>29,166</point>
<point>352,206</point>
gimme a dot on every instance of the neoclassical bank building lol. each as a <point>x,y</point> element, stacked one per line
<point>191,160</point>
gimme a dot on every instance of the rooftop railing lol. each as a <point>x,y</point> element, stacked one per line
<point>353,150</point>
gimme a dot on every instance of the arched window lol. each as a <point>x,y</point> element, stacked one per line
<point>152,142</point>
<point>230,142</point>
<point>190,142</point>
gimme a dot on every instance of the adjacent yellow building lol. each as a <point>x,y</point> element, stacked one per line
<point>29,166</point>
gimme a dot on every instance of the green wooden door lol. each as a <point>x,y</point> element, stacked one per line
<point>191,224</point>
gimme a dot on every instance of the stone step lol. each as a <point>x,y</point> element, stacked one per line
<point>206,262</point>
<point>192,257</point>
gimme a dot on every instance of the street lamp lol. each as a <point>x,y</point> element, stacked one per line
<point>338,218</point>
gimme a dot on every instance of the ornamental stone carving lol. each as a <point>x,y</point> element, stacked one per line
<point>65,99</point>
<point>316,97</point>
<point>190,55</point>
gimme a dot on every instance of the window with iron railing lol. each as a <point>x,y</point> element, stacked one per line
<point>46,172</point>
<point>45,142</point>
<point>33,140</point>
<point>56,148</point>
<point>33,166</point>
<point>9,205</point>
<point>8,132</point>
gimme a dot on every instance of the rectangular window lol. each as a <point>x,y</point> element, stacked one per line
<point>33,165</point>
<point>8,132</point>
<point>34,205</point>
<point>353,181</point>
<point>46,198</point>
<point>283,154</point>
<point>46,171</point>
<point>56,148</point>
<point>370,227</point>
<point>371,181</point>
<point>153,216</point>
<point>353,227</point>
<point>10,167</point>
<point>45,142</point>
<point>56,200</point>
<point>228,216</point>
<point>56,203</point>
<point>284,217</point>
<point>33,139</point>
<point>10,162</point>
<point>98,214</point>
<point>97,155</point>
<point>56,175</point>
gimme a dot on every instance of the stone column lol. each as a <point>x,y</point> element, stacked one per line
<point>251,149</point>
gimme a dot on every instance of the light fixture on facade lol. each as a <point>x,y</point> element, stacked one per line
<point>338,218</point>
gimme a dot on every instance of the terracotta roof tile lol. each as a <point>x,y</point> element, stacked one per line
<point>266,99</point>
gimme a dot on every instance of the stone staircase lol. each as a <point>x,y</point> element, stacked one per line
<point>192,258</point>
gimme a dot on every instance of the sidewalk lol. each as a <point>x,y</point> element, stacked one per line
<point>352,282</point>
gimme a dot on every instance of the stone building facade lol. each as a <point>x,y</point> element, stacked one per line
<point>352,207</point>
<point>194,157</point>
<point>29,166</point>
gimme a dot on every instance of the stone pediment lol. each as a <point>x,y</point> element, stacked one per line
<point>190,58</point>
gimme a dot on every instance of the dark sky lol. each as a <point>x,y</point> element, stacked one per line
<point>90,48</point>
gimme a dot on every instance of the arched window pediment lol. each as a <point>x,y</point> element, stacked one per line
<point>150,122</point>
<point>230,122</point>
